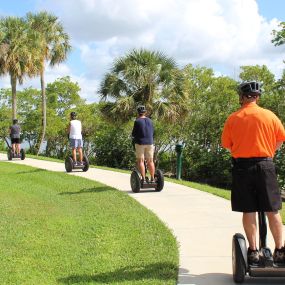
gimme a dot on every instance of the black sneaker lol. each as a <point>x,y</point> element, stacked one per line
<point>253,256</point>
<point>279,255</point>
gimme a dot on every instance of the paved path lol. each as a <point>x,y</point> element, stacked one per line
<point>202,223</point>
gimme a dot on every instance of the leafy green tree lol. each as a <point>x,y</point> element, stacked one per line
<point>142,77</point>
<point>279,36</point>
<point>17,54</point>
<point>259,73</point>
<point>62,97</point>
<point>5,117</point>
<point>52,46</point>
<point>29,116</point>
<point>210,100</point>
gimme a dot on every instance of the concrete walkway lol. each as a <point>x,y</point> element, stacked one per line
<point>202,223</point>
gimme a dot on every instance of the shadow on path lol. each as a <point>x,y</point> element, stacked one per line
<point>156,271</point>
<point>223,279</point>
<point>87,190</point>
<point>142,191</point>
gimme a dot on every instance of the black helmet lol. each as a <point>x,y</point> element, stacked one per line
<point>73,115</point>
<point>246,88</point>
<point>141,109</point>
<point>15,121</point>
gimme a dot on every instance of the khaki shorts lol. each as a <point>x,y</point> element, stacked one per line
<point>144,151</point>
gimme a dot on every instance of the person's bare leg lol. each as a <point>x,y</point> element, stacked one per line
<point>80,154</point>
<point>151,168</point>
<point>249,225</point>
<point>140,164</point>
<point>276,228</point>
<point>74,154</point>
<point>18,148</point>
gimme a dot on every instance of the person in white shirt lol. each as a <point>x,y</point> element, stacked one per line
<point>75,138</point>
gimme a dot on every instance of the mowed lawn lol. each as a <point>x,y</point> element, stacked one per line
<point>61,229</point>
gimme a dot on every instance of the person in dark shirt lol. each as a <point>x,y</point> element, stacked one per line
<point>143,138</point>
<point>15,131</point>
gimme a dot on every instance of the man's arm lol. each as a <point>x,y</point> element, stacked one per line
<point>278,145</point>
<point>134,130</point>
<point>68,130</point>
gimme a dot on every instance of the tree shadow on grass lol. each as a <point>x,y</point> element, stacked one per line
<point>86,190</point>
<point>30,171</point>
<point>157,271</point>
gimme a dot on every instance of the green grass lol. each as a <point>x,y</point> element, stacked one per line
<point>62,229</point>
<point>226,194</point>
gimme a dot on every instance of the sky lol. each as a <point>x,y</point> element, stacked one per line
<point>219,34</point>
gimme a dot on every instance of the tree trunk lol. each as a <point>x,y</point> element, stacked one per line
<point>44,111</point>
<point>14,96</point>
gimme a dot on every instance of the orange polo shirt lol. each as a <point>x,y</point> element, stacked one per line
<point>252,132</point>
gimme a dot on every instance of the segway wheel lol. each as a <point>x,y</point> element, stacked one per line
<point>68,164</point>
<point>238,262</point>
<point>86,163</point>
<point>135,182</point>
<point>159,180</point>
<point>10,154</point>
<point>23,154</point>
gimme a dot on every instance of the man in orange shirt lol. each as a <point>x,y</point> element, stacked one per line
<point>252,135</point>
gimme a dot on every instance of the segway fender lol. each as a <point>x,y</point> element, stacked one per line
<point>241,245</point>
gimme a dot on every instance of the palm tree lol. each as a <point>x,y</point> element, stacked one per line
<point>142,77</point>
<point>53,48</point>
<point>17,56</point>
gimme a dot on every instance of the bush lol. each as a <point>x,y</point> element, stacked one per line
<point>114,148</point>
<point>208,167</point>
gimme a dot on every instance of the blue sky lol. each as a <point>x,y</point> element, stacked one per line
<point>272,9</point>
<point>225,36</point>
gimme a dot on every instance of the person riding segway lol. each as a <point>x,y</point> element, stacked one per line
<point>142,134</point>
<point>76,143</point>
<point>252,135</point>
<point>15,150</point>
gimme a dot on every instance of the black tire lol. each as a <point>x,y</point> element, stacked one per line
<point>23,154</point>
<point>86,163</point>
<point>9,154</point>
<point>159,180</point>
<point>135,182</point>
<point>68,164</point>
<point>238,263</point>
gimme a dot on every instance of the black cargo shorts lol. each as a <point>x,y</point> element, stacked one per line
<point>254,186</point>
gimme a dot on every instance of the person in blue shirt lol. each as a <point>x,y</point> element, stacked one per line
<point>142,134</point>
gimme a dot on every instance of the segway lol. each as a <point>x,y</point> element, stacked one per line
<point>266,266</point>
<point>11,155</point>
<point>137,184</point>
<point>70,164</point>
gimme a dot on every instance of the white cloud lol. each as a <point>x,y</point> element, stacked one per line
<point>224,34</point>
<point>88,86</point>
